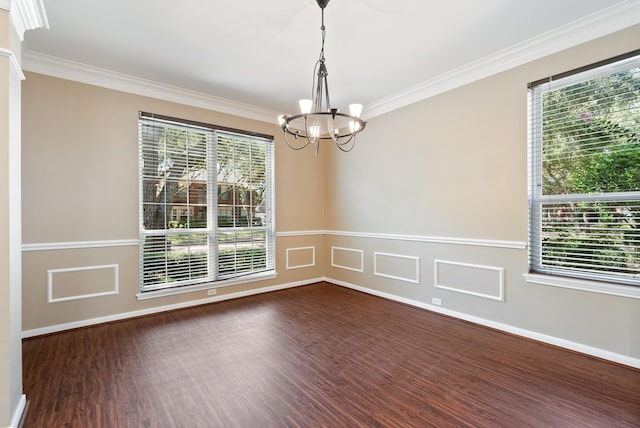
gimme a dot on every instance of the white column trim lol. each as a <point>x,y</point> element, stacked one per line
<point>19,412</point>
<point>15,64</point>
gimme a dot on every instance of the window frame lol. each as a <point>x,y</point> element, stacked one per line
<point>212,230</point>
<point>595,282</point>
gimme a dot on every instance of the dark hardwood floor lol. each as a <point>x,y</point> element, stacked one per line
<point>316,356</point>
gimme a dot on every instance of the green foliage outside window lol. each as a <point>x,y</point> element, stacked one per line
<point>591,146</point>
<point>180,166</point>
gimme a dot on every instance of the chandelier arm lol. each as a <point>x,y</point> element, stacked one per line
<point>334,136</point>
<point>286,140</point>
<point>344,142</point>
<point>353,144</point>
<point>316,140</point>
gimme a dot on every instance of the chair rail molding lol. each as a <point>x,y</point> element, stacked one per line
<point>515,245</point>
<point>79,245</point>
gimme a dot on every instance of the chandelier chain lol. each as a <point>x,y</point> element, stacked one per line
<point>323,29</point>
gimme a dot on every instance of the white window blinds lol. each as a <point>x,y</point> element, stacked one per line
<point>584,173</point>
<point>206,203</point>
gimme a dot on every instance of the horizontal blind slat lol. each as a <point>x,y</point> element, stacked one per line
<point>584,173</point>
<point>178,233</point>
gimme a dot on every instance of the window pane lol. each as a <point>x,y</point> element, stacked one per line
<point>592,237</point>
<point>180,166</point>
<point>240,252</point>
<point>174,174</point>
<point>585,174</point>
<point>174,258</point>
<point>591,134</point>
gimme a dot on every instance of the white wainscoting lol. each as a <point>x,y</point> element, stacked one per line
<point>310,261</point>
<point>82,275</point>
<point>467,278</point>
<point>397,266</point>
<point>346,255</point>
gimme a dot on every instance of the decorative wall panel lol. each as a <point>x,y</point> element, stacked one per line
<point>477,280</point>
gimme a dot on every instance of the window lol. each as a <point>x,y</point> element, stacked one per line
<point>584,173</point>
<point>189,233</point>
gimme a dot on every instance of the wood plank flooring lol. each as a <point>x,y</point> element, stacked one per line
<point>316,356</point>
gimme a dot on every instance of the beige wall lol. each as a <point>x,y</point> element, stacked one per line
<point>440,185</point>
<point>452,172</point>
<point>80,184</point>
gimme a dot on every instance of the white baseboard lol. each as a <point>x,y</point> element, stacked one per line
<point>158,309</point>
<point>18,413</point>
<point>552,340</point>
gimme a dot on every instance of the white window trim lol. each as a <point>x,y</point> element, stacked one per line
<point>584,285</point>
<point>536,199</point>
<point>214,280</point>
<point>181,289</point>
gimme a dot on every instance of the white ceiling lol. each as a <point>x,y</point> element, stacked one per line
<point>381,53</point>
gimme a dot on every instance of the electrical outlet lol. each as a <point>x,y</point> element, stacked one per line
<point>211,292</point>
<point>436,301</point>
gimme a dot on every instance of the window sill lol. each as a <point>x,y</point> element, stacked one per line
<point>630,291</point>
<point>144,295</point>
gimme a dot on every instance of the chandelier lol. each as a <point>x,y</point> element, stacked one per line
<point>317,120</point>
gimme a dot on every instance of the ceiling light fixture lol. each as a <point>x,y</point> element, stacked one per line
<point>317,121</point>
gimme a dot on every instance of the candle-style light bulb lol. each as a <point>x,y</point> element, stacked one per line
<point>355,109</point>
<point>305,106</point>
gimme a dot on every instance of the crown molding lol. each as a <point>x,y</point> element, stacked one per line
<point>26,15</point>
<point>607,21</point>
<point>78,72</point>
<point>615,18</point>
